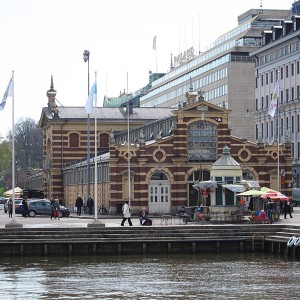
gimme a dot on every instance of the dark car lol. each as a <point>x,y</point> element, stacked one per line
<point>18,206</point>
<point>43,207</point>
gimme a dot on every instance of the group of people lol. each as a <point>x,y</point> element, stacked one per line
<point>143,215</point>
<point>79,204</point>
<point>25,207</point>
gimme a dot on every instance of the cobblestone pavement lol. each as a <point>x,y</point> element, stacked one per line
<point>109,221</point>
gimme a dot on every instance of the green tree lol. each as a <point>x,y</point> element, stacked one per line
<point>5,163</point>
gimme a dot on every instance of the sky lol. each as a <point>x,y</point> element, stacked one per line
<point>40,38</point>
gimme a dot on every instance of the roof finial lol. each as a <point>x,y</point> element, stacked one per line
<point>171,67</point>
<point>51,85</point>
<point>191,84</point>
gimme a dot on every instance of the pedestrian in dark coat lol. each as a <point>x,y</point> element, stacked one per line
<point>52,208</point>
<point>25,207</point>
<point>10,207</point>
<point>287,209</point>
<point>79,204</point>
<point>90,205</point>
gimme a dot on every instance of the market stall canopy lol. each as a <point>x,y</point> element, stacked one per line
<point>265,193</point>
<point>236,188</point>
<point>253,193</point>
<point>274,196</point>
<point>203,185</point>
<point>266,189</point>
<point>9,193</point>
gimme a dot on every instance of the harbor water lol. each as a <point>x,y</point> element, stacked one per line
<point>212,276</point>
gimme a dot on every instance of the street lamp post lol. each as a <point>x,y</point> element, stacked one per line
<point>86,58</point>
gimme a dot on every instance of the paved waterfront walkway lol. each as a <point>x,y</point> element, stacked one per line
<point>109,221</point>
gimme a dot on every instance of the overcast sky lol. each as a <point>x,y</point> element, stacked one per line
<point>40,38</point>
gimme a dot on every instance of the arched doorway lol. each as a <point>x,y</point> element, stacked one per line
<point>159,193</point>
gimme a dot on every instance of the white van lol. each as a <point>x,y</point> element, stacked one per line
<point>296,196</point>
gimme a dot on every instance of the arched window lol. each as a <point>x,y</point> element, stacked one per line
<point>202,141</point>
<point>159,176</point>
<point>103,142</point>
<point>74,140</point>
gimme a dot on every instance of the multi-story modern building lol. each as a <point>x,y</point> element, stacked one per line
<point>224,72</point>
<point>278,62</point>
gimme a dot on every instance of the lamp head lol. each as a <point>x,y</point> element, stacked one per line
<point>86,55</point>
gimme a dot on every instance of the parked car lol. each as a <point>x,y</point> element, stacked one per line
<point>18,206</point>
<point>2,202</point>
<point>296,196</point>
<point>43,207</point>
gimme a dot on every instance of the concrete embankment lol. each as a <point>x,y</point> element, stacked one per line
<point>188,239</point>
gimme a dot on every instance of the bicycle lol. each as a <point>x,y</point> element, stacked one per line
<point>103,211</point>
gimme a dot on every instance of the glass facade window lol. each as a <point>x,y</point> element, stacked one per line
<point>272,77</point>
<point>202,141</point>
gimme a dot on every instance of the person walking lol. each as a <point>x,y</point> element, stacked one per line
<point>52,208</point>
<point>56,209</point>
<point>126,213</point>
<point>10,207</point>
<point>287,209</point>
<point>90,205</point>
<point>79,204</point>
<point>25,207</point>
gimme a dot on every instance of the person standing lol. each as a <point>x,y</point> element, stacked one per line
<point>56,209</point>
<point>10,207</point>
<point>287,209</point>
<point>126,213</point>
<point>90,204</point>
<point>79,204</point>
<point>25,207</point>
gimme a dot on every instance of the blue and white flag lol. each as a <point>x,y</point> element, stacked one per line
<point>273,103</point>
<point>8,93</point>
<point>154,43</point>
<point>91,99</point>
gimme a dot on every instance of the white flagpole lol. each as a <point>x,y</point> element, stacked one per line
<point>95,159</point>
<point>13,142</point>
<point>128,145</point>
<point>278,126</point>
<point>278,138</point>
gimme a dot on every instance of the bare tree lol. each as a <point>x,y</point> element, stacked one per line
<point>28,146</point>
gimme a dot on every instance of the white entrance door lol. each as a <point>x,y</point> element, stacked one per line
<point>159,197</point>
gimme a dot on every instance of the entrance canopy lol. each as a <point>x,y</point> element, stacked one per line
<point>236,188</point>
<point>209,184</point>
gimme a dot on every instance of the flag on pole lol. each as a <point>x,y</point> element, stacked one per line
<point>273,103</point>
<point>8,93</point>
<point>91,99</point>
<point>154,43</point>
